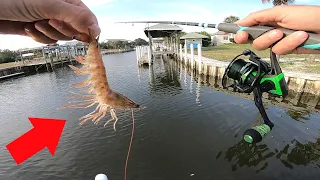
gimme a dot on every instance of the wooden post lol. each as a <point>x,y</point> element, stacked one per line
<point>150,46</point>
<point>51,62</point>
<point>185,51</point>
<point>137,54</point>
<point>61,57</point>
<point>45,59</point>
<point>180,52</point>
<point>192,54</point>
<point>149,56</point>
<point>69,54</point>
<point>199,57</point>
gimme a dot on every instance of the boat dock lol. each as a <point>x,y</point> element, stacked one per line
<point>163,41</point>
<point>44,59</point>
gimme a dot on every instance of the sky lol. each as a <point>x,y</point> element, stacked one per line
<point>110,11</point>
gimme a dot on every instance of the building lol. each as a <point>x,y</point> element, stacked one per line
<point>220,38</point>
<point>194,38</point>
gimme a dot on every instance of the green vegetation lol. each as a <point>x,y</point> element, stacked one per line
<point>120,44</point>
<point>227,52</point>
<point>206,42</point>
<point>279,2</point>
<point>231,19</point>
<point>7,56</point>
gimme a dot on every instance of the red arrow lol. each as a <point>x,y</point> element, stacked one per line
<point>45,133</point>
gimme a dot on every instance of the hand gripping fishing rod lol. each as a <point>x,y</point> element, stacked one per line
<point>254,75</point>
<point>313,42</point>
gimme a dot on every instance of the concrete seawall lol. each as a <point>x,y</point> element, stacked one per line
<point>297,82</point>
<point>303,88</point>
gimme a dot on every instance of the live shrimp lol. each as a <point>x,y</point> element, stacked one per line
<point>98,90</point>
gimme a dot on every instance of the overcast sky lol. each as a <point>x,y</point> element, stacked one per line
<point>110,11</point>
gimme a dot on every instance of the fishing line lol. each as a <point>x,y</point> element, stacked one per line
<point>129,149</point>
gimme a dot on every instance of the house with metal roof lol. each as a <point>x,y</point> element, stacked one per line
<point>221,37</point>
<point>194,38</point>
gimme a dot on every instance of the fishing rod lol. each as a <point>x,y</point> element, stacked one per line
<point>313,42</point>
<point>253,75</point>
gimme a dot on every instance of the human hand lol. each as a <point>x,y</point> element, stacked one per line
<point>47,21</point>
<point>295,17</point>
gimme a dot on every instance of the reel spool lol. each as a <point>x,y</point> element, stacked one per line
<point>257,76</point>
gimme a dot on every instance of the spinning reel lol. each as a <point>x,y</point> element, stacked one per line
<point>257,76</point>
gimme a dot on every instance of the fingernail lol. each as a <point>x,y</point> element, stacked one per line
<point>56,24</point>
<point>301,35</point>
<point>274,35</point>
<point>96,29</point>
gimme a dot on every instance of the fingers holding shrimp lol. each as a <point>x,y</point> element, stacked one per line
<point>37,35</point>
<point>45,28</point>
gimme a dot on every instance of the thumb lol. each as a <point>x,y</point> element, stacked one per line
<point>259,17</point>
<point>80,18</point>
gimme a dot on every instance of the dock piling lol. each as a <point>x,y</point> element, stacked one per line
<point>199,57</point>
<point>180,52</point>
<point>192,54</point>
<point>185,53</point>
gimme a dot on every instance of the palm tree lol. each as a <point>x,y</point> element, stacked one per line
<point>279,2</point>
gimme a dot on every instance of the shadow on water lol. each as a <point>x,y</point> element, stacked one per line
<point>256,155</point>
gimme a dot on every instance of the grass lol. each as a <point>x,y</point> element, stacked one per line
<point>227,52</point>
<point>301,66</point>
<point>7,65</point>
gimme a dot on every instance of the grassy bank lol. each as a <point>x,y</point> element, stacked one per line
<point>7,65</point>
<point>228,51</point>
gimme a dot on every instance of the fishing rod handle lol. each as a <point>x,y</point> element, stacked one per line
<point>313,42</point>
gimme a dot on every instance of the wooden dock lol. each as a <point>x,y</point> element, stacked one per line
<point>44,59</point>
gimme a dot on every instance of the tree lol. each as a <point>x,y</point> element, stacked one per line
<point>103,45</point>
<point>8,56</point>
<point>140,42</point>
<point>181,33</point>
<point>207,41</point>
<point>279,2</point>
<point>231,19</point>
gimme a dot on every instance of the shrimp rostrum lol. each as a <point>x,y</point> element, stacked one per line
<point>98,90</point>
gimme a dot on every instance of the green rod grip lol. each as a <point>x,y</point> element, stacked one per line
<point>313,42</point>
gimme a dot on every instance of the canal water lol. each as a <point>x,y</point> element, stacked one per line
<point>188,130</point>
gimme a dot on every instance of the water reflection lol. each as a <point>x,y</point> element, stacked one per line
<point>302,114</point>
<point>164,77</point>
<point>244,154</point>
<point>260,155</point>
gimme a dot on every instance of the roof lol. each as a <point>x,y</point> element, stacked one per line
<point>194,35</point>
<point>73,43</point>
<point>106,40</point>
<point>162,30</point>
<point>164,27</point>
<point>221,33</point>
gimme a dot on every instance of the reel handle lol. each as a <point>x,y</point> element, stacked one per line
<point>256,134</point>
